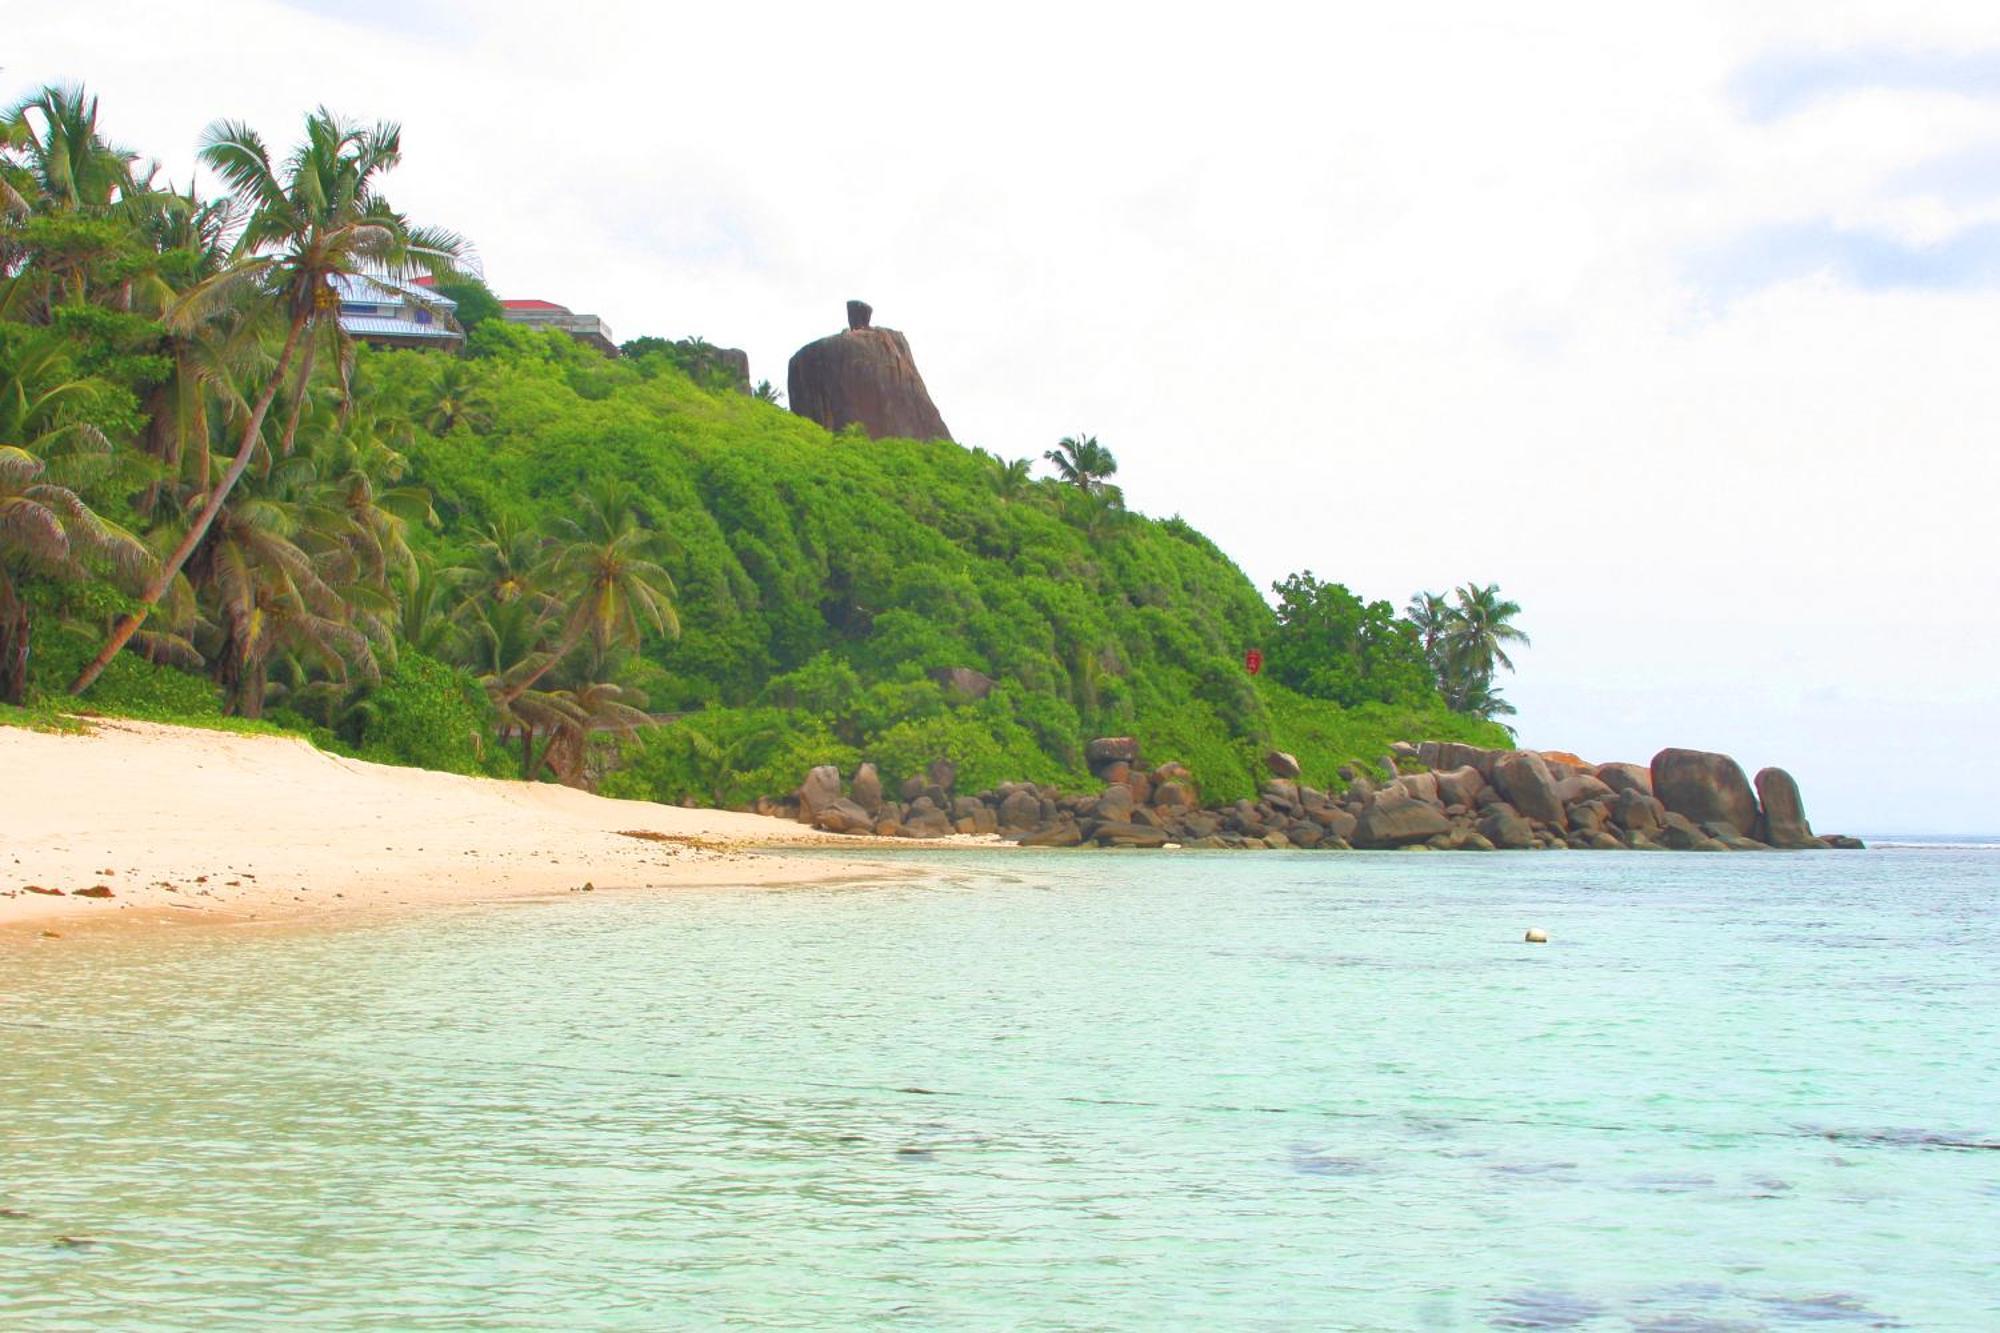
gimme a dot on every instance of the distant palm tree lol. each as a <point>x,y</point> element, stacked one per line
<point>1431,613</point>
<point>457,397</point>
<point>47,530</point>
<point>1082,462</point>
<point>317,218</point>
<point>766,392</point>
<point>1482,626</point>
<point>1011,478</point>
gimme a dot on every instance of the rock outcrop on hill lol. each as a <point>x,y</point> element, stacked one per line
<point>1439,796</point>
<point>866,377</point>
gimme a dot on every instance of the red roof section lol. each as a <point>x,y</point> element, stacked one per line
<point>535,305</point>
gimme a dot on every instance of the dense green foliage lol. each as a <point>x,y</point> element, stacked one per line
<point>533,559</point>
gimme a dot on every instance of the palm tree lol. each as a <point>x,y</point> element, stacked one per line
<point>272,594</point>
<point>1082,462</point>
<point>317,219</point>
<point>1431,613</point>
<point>457,396</point>
<point>766,392</point>
<point>1481,627</point>
<point>46,529</point>
<point>63,160</point>
<point>1011,479</point>
<point>613,588</point>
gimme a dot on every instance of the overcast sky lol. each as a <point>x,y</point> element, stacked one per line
<point>1680,326</point>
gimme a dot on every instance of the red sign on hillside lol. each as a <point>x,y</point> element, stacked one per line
<point>1253,661</point>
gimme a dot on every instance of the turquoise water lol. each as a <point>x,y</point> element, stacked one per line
<point>1043,1091</point>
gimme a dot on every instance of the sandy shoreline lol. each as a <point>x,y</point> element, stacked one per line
<point>184,825</point>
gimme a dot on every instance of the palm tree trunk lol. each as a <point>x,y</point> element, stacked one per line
<point>13,645</point>
<point>564,649</point>
<point>129,624</point>
<point>297,402</point>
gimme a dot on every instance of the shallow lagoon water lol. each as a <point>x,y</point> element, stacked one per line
<point>1039,1091</point>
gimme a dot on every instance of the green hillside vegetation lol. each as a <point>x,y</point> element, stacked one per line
<point>536,561</point>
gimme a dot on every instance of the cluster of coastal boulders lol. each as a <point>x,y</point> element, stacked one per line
<point>1444,796</point>
<point>863,377</point>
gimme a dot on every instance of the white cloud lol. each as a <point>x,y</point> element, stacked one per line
<point>1401,296</point>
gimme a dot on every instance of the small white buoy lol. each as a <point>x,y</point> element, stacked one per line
<point>1536,935</point>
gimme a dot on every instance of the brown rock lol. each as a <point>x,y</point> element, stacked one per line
<point>843,816</point>
<point>1459,786</point>
<point>1524,779</point>
<point>1504,828</point>
<point>820,789</point>
<point>1281,764</point>
<point>1394,819</point>
<point>1637,812</point>
<point>1020,809</point>
<point>1784,812</point>
<point>1626,777</point>
<point>1457,754</point>
<point>1110,749</point>
<point>1420,787</point>
<point>867,789</point>
<point>1115,804</point>
<point>1581,787</point>
<point>864,377</point>
<point>1124,833</point>
<point>1705,786</point>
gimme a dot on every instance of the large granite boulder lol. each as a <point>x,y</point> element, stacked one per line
<point>1394,819</point>
<point>1457,754</point>
<point>1524,779</point>
<point>1626,777</point>
<point>844,816</point>
<point>1115,804</point>
<point>1420,786</point>
<point>1506,830</point>
<point>820,789</point>
<point>1705,787</point>
<point>1460,786</point>
<point>1581,787</point>
<point>867,789</point>
<point>1784,818</point>
<point>864,377</point>
<point>1638,812</point>
<point>1020,809</point>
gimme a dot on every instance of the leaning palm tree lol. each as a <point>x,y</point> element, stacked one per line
<point>316,219</point>
<point>1082,462</point>
<point>47,530</point>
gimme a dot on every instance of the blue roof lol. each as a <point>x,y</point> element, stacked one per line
<point>383,326</point>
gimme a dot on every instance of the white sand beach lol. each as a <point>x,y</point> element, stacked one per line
<point>186,825</point>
